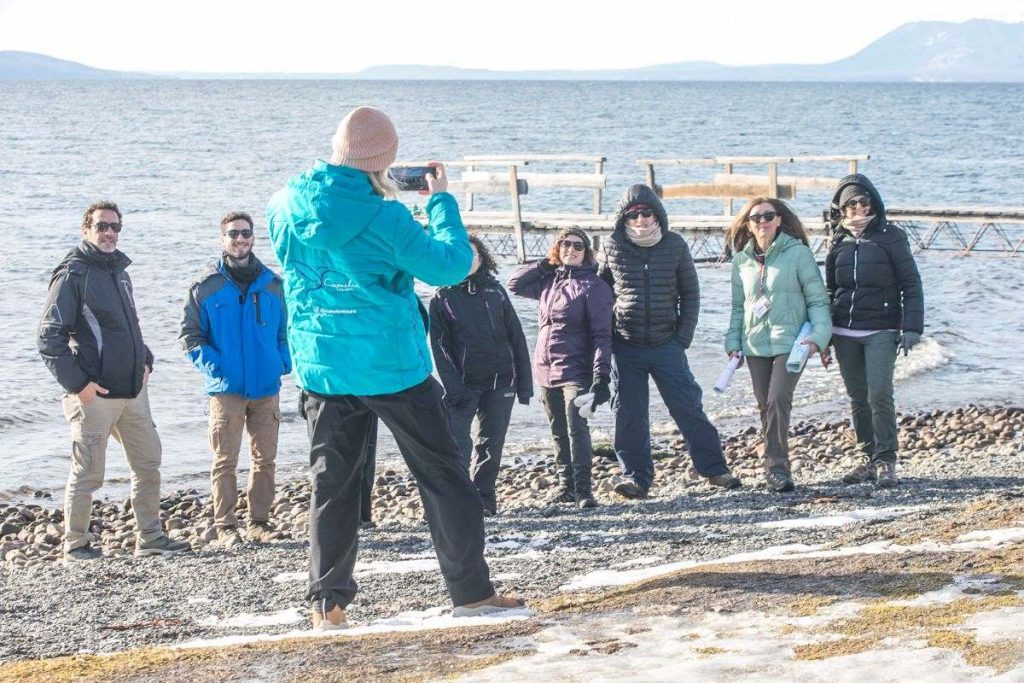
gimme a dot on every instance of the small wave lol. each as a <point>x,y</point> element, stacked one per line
<point>927,355</point>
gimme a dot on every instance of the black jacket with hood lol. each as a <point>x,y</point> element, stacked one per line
<point>872,281</point>
<point>90,331</point>
<point>657,294</point>
<point>477,339</point>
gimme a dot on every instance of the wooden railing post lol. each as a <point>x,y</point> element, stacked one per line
<point>853,166</point>
<point>469,195</point>
<point>773,179</point>
<point>728,202</point>
<point>517,213</point>
<point>598,169</point>
<point>650,177</point>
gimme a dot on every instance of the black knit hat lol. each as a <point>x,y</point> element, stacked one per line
<point>578,232</point>
<point>851,191</point>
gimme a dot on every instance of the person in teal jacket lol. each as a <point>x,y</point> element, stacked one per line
<point>358,339</point>
<point>776,288</point>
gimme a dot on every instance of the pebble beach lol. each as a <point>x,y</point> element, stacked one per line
<point>535,547</point>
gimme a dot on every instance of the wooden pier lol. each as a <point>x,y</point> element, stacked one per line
<point>513,231</point>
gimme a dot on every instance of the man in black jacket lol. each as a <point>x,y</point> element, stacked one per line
<point>657,301</point>
<point>90,339</point>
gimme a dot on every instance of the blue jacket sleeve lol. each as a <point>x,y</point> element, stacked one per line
<point>439,255</point>
<point>194,336</point>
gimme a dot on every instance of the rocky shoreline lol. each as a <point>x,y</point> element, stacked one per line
<point>953,464</point>
<point>30,534</point>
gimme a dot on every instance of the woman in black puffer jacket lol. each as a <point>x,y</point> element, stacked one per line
<point>877,307</point>
<point>484,364</point>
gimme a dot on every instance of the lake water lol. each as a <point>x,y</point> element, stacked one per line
<point>176,155</point>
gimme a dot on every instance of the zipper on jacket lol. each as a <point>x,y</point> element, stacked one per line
<point>647,304</point>
<point>853,296</point>
<point>259,316</point>
<point>122,293</point>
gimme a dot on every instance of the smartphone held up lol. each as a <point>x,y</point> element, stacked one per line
<point>411,178</point>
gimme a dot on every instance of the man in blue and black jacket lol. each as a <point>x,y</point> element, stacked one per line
<point>234,329</point>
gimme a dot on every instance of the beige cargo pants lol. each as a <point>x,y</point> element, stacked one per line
<point>229,413</point>
<point>131,423</point>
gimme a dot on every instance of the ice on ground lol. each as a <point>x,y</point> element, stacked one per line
<point>842,519</point>
<point>1006,623</point>
<point>292,615</point>
<point>975,540</point>
<point>996,536</point>
<point>426,564</point>
<point>426,620</point>
<point>638,562</point>
<point>963,586</point>
<point>514,541</point>
<point>746,647</point>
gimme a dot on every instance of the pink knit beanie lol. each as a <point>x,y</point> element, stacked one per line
<point>365,139</point>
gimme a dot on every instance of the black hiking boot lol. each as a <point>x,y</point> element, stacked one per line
<point>886,475</point>
<point>780,482</point>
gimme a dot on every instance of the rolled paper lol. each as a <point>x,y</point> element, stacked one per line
<point>798,356</point>
<point>727,373</point>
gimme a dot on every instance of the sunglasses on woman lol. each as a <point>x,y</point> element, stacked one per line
<point>766,217</point>
<point>862,201</point>
<point>572,244</point>
<point>633,215</point>
<point>245,233</point>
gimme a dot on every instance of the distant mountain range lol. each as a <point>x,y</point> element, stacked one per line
<point>979,50</point>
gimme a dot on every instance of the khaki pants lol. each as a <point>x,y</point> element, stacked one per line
<point>229,413</point>
<point>131,423</point>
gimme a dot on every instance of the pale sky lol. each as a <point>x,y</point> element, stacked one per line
<point>315,36</point>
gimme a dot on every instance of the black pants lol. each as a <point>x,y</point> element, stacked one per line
<point>493,410</point>
<point>369,470</point>
<point>338,429</point>
<point>571,434</point>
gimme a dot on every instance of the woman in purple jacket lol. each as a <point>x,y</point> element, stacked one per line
<point>573,354</point>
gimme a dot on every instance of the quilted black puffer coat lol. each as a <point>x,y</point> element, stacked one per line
<point>873,282</point>
<point>657,294</point>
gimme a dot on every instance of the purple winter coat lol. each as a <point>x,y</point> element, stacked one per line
<point>574,327</point>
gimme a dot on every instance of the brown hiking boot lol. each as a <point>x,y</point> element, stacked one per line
<point>492,605</point>
<point>886,475</point>
<point>330,620</point>
<point>228,537</point>
<point>725,481</point>
<point>260,532</point>
<point>863,472</point>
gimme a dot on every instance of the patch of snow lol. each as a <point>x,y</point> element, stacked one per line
<point>426,620</point>
<point>975,540</point>
<point>639,561</point>
<point>842,519</point>
<point>746,647</point>
<point>199,601</point>
<point>289,577</point>
<point>1006,623</point>
<point>292,615</point>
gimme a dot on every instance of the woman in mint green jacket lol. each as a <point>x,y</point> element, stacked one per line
<point>776,288</point>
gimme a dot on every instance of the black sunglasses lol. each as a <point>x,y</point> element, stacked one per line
<point>766,217</point>
<point>573,244</point>
<point>633,215</point>
<point>235,234</point>
<point>103,226</point>
<point>863,201</point>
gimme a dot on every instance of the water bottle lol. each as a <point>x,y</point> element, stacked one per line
<point>798,356</point>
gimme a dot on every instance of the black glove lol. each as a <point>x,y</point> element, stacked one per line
<point>302,404</point>
<point>908,340</point>
<point>524,399</point>
<point>546,266</point>
<point>601,390</point>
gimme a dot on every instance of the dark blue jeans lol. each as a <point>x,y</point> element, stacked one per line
<point>666,363</point>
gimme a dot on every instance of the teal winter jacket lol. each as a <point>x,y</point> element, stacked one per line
<point>793,285</point>
<point>348,256</point>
